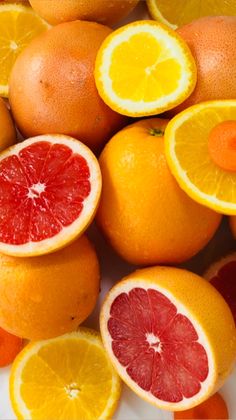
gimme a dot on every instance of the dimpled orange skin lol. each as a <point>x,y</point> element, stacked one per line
<point>102,11</point>
<point>212,42</point>
<point>7,129</point>
<point>47,296</point>
<point>52,87</point>
<point>143,212</point>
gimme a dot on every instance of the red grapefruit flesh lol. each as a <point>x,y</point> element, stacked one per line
<point>158,346</point>
<point>49,191</point>
<point>222,276</point>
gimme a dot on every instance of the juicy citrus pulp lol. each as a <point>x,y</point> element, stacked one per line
<point>179,12</point>
<point>162,342</point>
<point>189,158</point>
<point>144,68</point>
<point>18,26</point>
<point>69,377</point>
<point>50,187</point>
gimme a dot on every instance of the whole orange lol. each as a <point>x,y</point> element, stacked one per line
<point>47,296</point>
<point>102,11</point>
<point>52,87</point>
<point>212,42</point>
<point>143,212</point>
<point>7,129</point>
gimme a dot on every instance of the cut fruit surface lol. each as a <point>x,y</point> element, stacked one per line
<point>144,68</point>
<point>179,12</point>
<point>162,342</point>
<point>222,275</point>
<point>50,188</point>
<point>18,26</point>
<point>190,157</point>
<point>69,377</point>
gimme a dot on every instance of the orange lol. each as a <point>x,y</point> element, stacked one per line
<point>101,11</point>
<point>10,346</point>
<point>56,72</point>
<point>7,129</point>
<point>213,408</point>
<point>216,61</point>
<point>160,327</point>
<point>143,213</point>
<point>50,295</point>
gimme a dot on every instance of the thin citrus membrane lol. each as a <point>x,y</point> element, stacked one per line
<point>50,187</point>
<point>144,68</point>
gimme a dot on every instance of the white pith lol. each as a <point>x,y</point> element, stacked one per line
<point>216,266</point>
<point>211,201</point>
<point>206,386</point>
<point>177,52</point>
<point>89,204</point>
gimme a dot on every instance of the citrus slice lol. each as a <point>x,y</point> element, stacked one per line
<point>18,26</point>
<point>222,275</point>
<point>49,191</point>
<point>179,12</point>
<point>160,327</point>
<point>201,153</point>
<point>69,377</point>
<point>144,68</point>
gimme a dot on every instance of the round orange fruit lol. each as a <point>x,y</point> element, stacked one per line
<point>101,11</point>
<point>216,61</point>
<point>52,87</point>
<point>143,212</point>
<point>7,129</point>
<point>50,295</point>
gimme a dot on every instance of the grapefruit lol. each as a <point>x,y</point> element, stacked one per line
<point>7,129</point>
<point>49,192</point>
<point>222,275</point>
<point>10,346</point>
<point>160,327</point>
<point>101,11</point>
<point>216,61</point>
<point>56,72</point>
<point>49,295</point>
<point>143,212</point>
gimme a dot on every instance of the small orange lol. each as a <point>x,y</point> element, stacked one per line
<point>10,346</point>
<point>213,408</point>
<point>143,212</point>
<point>7,129</point>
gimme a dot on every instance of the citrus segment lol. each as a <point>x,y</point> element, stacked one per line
<point>144,68</point>
<point>18,26</point>
<point>162,342</point>
<point>50,187</point>
<point>179,12</point>
<point>69,377</point>
<point>188,156</point>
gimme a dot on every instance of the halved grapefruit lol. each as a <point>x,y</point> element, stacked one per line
<point>49,191</point>
<point>222,275</point>
<point>160,327</point>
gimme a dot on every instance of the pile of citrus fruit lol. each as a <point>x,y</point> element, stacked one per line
<point>72,153</point>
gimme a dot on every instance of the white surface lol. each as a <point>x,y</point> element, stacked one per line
<point>113,268</point>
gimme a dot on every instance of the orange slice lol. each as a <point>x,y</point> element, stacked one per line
<point>49,191</point>
<point>201,153</point>
<point>69,377</point>
<point>160,327</point>
<point>144,68</point>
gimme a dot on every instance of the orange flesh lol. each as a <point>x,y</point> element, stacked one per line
<point>213,408</point>
<point>222,145</point>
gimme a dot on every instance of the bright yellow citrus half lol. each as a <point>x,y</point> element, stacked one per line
<point>190,159</point>
<point>144,68</point>
<point>69,377</point>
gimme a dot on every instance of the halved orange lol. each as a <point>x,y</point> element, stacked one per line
<point>144,68</point>
<point>201,153</point>
<point>49,191</point>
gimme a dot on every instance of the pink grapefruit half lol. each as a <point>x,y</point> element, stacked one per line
<point>160,327</point>
<point>49,192</point>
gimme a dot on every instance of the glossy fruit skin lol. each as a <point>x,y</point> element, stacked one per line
<point>143,212</point>
<point>47,296</point>
<point>52,87</point>
<point>7,128</point>
<point>216,60</point>
<point>55,11</point>
<point>10,346</point>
